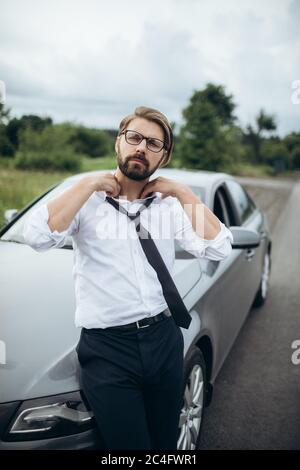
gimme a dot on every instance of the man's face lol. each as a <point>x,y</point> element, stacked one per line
<point>137,162</point>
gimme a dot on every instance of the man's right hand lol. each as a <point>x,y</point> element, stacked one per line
<point>106,182</point>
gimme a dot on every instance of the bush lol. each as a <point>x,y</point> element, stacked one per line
<point>6,147</point>
<point>92,142</point>
<point>63,160</point>
<point>275,154</point>
<point>47,149</point>
<point>295,157</point>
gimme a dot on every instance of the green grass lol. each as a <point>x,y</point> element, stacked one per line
<point>19,187</point>
<point>94,164</point>
<point>238,169</point>
<point>246,169</point>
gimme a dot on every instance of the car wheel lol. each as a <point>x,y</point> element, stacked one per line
<point>193,402</point>
<point>262,293</point>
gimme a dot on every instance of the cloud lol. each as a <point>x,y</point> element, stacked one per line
<point>94,61</point>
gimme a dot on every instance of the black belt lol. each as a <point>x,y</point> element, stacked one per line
<point>143,323</point>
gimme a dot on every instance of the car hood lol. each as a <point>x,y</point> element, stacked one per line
<point>37,332</point>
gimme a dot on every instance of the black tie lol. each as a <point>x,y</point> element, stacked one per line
<point>175,303</point>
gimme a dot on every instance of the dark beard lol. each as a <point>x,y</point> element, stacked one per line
<point>136,171</point>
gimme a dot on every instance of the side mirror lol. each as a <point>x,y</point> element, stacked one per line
<point>9,214</point>
<point>244,238</point>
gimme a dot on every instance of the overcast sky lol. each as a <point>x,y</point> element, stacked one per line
<point>94,61</point>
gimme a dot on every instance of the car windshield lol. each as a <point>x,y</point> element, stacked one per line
<point>15,232</point>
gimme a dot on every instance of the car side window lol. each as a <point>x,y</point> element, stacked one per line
<point>220,209</point>
<point>223,207</point>
<point>244,205</point>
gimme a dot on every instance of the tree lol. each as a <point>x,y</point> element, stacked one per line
<point>91,142</point>
<point>202,137</point>
<point>223,104</point>
<point>6,148</point>
<point>254,136</point>
<point>292,140</point>
<point>36,123</point>
<point>295,157</point>
<point>48,149</point>
<point>275,154</point>
<point>4,114</point>
<point>31,121</point>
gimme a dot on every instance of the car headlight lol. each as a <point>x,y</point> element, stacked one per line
<point>54,416</point>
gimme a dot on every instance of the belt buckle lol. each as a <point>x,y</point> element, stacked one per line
<point>142,326</point>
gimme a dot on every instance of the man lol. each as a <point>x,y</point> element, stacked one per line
<point>131,349</point>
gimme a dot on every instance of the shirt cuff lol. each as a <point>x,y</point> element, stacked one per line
<point>38,234</point>
<point>55,235</point>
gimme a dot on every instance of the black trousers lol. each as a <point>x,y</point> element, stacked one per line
<point>133,381</point>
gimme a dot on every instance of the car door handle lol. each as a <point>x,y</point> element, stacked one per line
<point>250,254</point>
<point>263,234</point>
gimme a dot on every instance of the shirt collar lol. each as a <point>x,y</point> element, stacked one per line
<point>102,195</point>
<point>157,198</point>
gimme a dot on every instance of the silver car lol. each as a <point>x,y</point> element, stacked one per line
<point>41,403</point>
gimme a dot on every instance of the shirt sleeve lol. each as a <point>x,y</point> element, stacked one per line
<point>216,249</point>
<point>38,234</point>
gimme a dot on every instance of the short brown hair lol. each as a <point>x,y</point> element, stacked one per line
<point>155,116</point>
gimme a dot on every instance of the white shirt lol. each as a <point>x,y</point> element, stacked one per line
<point>114,283</point>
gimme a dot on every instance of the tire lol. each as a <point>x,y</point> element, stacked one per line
<point>262,293</point>
<point>191,416</point>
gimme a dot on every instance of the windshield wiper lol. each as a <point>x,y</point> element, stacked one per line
<point>12,241</point>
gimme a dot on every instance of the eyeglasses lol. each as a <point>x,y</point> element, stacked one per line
<point>135,138</point>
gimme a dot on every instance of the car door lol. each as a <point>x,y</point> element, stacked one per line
<point>239,281</point>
